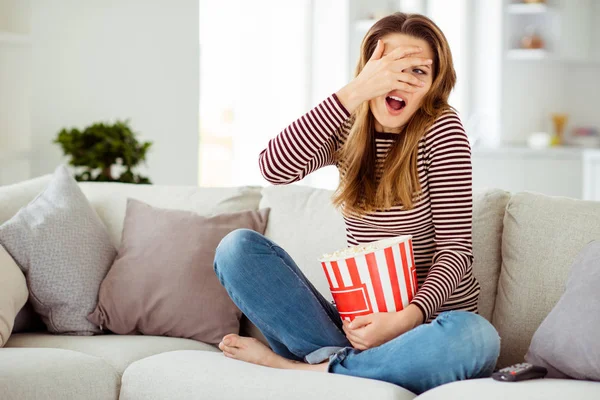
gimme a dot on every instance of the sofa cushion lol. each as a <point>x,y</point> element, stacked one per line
<point>183,375</point>
<point>110,200</point>
<point>319,228</point>
<point>163,281</point>
<point>488,215</point>
<point>541,238</point>
<point>306,225</point>
<point>55,374</point>
<point>566,343</point>
<point>12,198</point>
<point>117,350</point>
<point>536,389</point>
<point>64,250</point>
<point>13,294</point>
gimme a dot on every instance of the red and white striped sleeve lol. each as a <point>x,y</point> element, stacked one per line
<point>448,156</point>
<point>306,145</point>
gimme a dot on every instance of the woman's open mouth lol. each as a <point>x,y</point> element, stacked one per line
<point>395,104</point>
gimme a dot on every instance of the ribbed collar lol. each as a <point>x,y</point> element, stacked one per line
<point>387,135</point>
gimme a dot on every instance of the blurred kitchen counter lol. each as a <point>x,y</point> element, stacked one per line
<point>555,171</point>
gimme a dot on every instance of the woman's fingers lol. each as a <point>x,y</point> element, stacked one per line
<point>409,78</point>
<point>403,51</point>
<point>410,62</point>
<point>353,337</point>
<point>378,52</point>
<point>405,87</point>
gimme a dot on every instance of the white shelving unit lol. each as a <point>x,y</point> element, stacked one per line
<point>527,8</point>
<point>574,171</point>
<point>15,83</point>
<point>527,54</point>
<point>565,26</point>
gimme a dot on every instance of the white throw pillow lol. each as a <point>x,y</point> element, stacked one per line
<point>13,294</point>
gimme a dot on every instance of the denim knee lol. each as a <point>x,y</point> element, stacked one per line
<point>483,341</point>
<point>233,248</point>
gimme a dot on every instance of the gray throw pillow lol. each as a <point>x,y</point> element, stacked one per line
<point>567,340</point>
<point>64,250</point>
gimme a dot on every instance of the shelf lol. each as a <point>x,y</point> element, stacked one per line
<point>565,151</point>
<point>527,54</point>
<point>518,8</point>
<point>14,38</point>
<point>364,25</point>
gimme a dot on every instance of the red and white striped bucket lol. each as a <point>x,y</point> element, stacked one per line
<point>377,277</point>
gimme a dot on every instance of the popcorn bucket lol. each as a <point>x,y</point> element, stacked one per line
<point>376,277</point>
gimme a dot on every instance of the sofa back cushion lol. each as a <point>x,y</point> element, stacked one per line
<point>542,236</point>
<point>13,197</point>
<point>304,223</point>
<point>110,200</point>
<point>488,215</point>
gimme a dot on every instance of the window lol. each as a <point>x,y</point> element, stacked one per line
<point>254,81</point>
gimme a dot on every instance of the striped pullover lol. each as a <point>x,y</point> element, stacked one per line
<point>440,221</point>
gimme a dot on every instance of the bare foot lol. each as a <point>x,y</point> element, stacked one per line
<point>253,351</point>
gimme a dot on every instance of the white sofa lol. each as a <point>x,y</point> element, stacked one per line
<point>523,246</point>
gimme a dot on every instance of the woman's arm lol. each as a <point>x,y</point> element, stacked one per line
<point>306,145</point>
<point>310,142</point>
<point>450,190</point>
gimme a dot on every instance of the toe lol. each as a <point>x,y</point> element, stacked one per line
<point>231,340</point>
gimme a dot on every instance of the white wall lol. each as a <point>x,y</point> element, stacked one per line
<point>99,60</point>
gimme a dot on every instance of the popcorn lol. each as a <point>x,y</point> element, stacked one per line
<point>362,248</point>
<point>350,251</point>
<point>373,277</point>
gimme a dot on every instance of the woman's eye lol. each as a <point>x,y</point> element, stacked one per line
<point>419,71</point>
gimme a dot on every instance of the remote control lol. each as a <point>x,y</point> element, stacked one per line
<point>520,372</point>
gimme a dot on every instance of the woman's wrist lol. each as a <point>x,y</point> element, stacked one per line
<point>349,97</point>
<point>411,317</point>
<point>416,314</point>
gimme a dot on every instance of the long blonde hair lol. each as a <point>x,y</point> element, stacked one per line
<point>359,191</point>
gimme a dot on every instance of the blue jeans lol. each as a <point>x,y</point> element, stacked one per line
<point>300,324</point>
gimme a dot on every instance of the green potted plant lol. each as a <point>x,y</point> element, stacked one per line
<point>99,147</point>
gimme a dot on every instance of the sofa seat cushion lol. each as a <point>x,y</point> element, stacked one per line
<point>117,350</point>
<point>183,375</point>
<point>55,374</point>
<point>537,389</point>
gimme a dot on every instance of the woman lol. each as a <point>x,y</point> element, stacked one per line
<point>405,168</point>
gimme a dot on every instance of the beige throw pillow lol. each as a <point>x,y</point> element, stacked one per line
<point>162,282</point>
<point>13,294</point>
